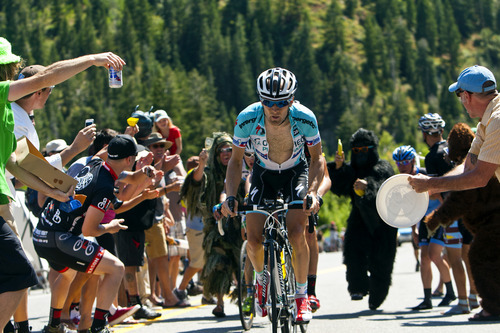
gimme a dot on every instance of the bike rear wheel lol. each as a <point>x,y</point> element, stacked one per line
<point>246,299</point>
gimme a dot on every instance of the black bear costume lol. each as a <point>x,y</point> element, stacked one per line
<point>369,243</point>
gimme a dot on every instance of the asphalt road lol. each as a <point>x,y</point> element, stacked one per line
<point>337,313</point>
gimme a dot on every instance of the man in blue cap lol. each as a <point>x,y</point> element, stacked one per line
<point>476,88</point>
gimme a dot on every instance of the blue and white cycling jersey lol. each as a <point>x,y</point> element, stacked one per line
<point>250,126</point>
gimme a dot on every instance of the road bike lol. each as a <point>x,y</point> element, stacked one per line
<point>278,254</point>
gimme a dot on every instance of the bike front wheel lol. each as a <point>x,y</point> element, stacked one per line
<point>246,295</point>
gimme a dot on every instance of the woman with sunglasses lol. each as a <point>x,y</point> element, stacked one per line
<point>369,243</point>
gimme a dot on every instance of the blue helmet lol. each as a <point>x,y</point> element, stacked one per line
<point>404,153</point>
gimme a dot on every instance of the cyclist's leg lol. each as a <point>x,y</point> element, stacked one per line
<point>296,224</point>
<point>255,250</point>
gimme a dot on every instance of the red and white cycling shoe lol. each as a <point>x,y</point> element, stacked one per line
<point>261,292</point>
<point>314,302</point>
<point>304,313</point>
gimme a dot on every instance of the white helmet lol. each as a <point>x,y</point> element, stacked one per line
<point>276,84</point>
<point>431,123</point>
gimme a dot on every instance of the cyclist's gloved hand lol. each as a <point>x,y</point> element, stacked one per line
<point>230,206</point>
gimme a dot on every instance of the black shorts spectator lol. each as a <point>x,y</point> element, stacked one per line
<point>130,247</point>
<point>64,250</point>
<point>16,271</point>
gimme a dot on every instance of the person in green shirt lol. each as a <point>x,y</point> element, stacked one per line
<point>16,272</point>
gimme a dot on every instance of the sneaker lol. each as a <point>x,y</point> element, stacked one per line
<point>447,300</point>
<point>314,302</point>
<point>425,305</point>
<point>194,290</point>
<point>121,314</point>
<point>180,294</point>
<point>304,313</point>
<point>61,328</point>
<point>146,313</point>
<point>261,292</point>
<point>246,307</point>
<point>208,301</point>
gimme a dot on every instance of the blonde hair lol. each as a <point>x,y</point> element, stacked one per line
<point>9,71</point>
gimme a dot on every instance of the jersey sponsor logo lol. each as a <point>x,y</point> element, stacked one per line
<point>253,193</point>
<point>305,121</point>
<point>96,260</point>
<point>295,131</point>
<point>64,236</point>
<point>104,204</point>
<point>57,217</point>
<point>299,189</point>
<point>84,180</point>
<point>299,142</point>
<point>246,122</point>
<point>260,129</point>
<point>84,244</point>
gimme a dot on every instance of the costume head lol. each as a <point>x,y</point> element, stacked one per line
<point>364,153</point>
<point>459,142</point>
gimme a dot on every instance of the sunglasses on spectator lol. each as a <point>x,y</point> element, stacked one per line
<point>249,154</point>
<point>357,150</point>
<point>226,150</point>
<point>403,162</point>
<point>158,145</point>
<point>280,104</point>
<point>460,91</point>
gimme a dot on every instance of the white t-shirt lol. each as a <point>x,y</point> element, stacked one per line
<point>23,126</point>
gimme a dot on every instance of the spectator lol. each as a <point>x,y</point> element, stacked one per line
<point>55,146</point>
<point>167,129</point>
<point>370,244</point>
<point>431,247</point>
<point>21,271</point>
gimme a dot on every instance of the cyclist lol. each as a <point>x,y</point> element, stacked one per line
<point>278,128</point>
<point>432,126</point>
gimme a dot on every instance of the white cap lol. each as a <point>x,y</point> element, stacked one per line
<point>161,114</point>
<point>56,146</point>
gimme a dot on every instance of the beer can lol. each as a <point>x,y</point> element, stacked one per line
<point>115,78</point>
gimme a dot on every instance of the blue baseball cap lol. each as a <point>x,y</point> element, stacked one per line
<point>472,79</point>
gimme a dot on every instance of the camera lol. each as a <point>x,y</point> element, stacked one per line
<point>89,122</point>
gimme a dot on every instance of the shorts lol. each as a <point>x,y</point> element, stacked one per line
<point>108,242</point>
<point>130,247</point>
<point>63,250</point>
<point>196,252</point>
<point>423,239</point>
<point>16,271</point>
<point>177,231</point>
<point>452,236</point>
<point>156,241</point>
<point>292,183</point>
<point>466,234</point>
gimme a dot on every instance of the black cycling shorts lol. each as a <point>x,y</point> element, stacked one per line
<point>64,250</point>
<point>292,183</point>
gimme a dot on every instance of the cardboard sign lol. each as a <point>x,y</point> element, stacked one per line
<point>29,158</point>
